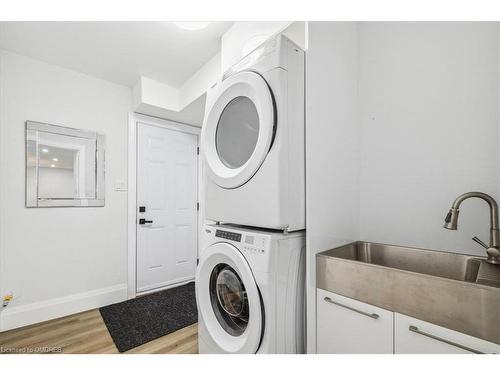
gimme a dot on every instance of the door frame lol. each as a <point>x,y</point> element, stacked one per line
<point>134,119</point>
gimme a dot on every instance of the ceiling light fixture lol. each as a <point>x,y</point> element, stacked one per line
<point>55,159</point>
<point>45,150</point>
<point>52,166</point>
<point>192,26</point>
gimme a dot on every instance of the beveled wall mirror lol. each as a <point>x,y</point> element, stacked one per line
<point>64,166</point>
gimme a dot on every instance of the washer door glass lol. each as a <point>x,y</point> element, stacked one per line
<point>229,299</point>
<point>229,302</point>
<point>237,132</point>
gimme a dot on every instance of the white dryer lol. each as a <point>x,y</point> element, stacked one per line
<point>250,291</point>
<point>253,139</point>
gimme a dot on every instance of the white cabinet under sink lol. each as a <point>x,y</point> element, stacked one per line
<point>348,326</point>
<point>414,336</point>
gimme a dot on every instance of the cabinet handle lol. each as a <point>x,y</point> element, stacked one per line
<point>370,315</point>
<point>416,330</point>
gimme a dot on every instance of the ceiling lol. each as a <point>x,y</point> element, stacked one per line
<point>119,52</point>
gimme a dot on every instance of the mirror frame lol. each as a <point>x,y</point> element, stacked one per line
<point>100,139</point>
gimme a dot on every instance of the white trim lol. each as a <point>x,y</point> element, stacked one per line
<point>164,285</point>
<point>170,285</point>
<point>20,316</point>
<point>131,206</point>
<point>135,118</point>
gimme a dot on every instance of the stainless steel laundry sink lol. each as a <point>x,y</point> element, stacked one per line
<point>429,262</point>
<point>456,291</point>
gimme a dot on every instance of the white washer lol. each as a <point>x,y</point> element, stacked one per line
<point>250,291</point>
<point>252,140</point>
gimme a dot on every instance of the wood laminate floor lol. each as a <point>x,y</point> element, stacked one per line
<point>86,333</point>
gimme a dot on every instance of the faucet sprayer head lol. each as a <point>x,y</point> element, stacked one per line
<point>451,220</point>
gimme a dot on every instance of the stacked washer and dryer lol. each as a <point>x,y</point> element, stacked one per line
<point>251,273</point>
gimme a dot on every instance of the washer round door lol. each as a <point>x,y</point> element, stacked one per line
<point>229,300</point>
<point>239,129</point>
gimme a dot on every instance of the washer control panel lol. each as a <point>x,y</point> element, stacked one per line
<point>253,244</point>
<point>250,243</point>
<point>228,235</point>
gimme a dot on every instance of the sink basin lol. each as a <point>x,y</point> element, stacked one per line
<point>435,263</point>
<point>457,291</point>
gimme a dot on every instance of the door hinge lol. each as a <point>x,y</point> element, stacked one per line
<point>197,206</point>
<point>197,150</point>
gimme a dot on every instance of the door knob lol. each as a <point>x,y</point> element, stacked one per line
<point>144,221</point>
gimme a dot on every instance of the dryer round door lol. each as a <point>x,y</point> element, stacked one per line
<point>229,300</point>
<point>238,129</point>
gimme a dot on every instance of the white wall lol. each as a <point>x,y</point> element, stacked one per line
<point>429,118</point>
<point>156,94</point>
<point>332,150</point>
<point>59,260</point>
<point>207,76</point>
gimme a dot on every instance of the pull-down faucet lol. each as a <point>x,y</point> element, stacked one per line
<point>451,221</point>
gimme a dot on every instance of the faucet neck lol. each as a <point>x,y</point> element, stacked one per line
<point>494,226</point>
<point>495,238</point>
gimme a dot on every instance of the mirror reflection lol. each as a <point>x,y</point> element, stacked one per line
<point>64,166</point>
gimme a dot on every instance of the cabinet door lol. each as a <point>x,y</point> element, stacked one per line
<point>346,326</point>
<point>413,336</point>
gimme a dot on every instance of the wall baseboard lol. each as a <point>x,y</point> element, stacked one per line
<point>20,316</point>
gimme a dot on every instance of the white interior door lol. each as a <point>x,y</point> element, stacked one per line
<point>167,222</point>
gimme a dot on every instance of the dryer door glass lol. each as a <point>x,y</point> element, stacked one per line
<point>239,129</point>
<point>229,299</point>
<point>237,132</point>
